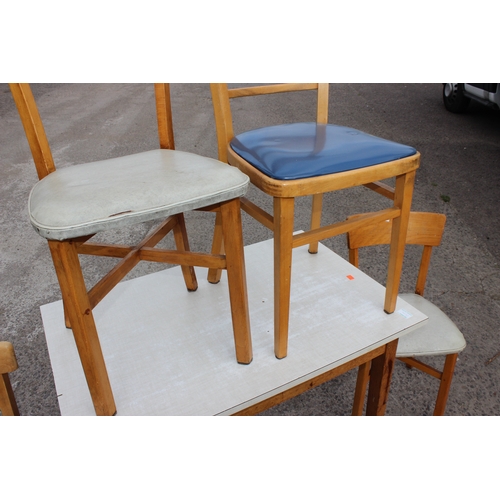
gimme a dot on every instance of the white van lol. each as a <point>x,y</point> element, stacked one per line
<point>457,96</point>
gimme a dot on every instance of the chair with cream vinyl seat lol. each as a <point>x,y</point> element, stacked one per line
<point>70,205</point>
<point>303,159</point>
<point>436,337</point>
<point>8,363</point>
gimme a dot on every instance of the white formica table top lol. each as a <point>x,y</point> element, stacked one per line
<point>171,352</point>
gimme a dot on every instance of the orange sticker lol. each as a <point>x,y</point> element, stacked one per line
<point>350,277</point>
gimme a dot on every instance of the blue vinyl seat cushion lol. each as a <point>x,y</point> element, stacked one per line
<point>302,150</point>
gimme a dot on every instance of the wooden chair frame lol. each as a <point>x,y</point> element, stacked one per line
<point>8,363</point>
<point>78,302</point>
<point>284,193</point>
<point>424,229</point>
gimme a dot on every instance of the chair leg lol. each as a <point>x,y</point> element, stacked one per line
<point>360,391</point>
<point>8,404</point>
<point>182,244</point>
<point>317,208</point>
<point>444,386</point>
<point>402,200</point>
<point>214,275</point>
<point>73,290</point>
<point>380,380</point>
<point>283,238</point>
<point>66,317</point>
<point>236,277</point>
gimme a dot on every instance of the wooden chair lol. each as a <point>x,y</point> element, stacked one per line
<point>438,336</point>
<point>300,159</point>
<point>8,364</point>
<point>70,205</point>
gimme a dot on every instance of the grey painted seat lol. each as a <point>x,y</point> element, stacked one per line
<point>111,194</point>
<point>68,206</point>
<point>439,336</point>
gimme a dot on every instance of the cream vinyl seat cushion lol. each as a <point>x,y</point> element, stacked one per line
<point>439,335</point>
<point>84,199</point>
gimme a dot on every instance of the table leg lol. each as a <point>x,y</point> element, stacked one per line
<point>380,380</point>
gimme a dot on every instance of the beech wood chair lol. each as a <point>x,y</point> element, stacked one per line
<point>8,363</point>
<point>439,336</point>
<point>300,159</point>
<point>70,205</point>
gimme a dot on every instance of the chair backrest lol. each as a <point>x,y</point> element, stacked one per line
<point>37,138</point>
<point>424,228</point>
<point>221,96</point>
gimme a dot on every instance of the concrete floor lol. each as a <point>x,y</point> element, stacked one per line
<point>460,160</point>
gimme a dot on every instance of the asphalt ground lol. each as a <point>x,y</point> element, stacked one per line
<point>459,176</point>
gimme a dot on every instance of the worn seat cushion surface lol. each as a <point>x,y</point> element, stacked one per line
<point>84,199</point>
<point>437,336</point>
<point>301,150</point>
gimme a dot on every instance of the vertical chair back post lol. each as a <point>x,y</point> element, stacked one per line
<point>166,138</point>
<point>317,199</point>
<point>164,116</point>
<point>322,104</point>
<point>33,127</point>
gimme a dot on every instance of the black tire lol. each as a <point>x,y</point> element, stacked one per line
<point>454,98</point>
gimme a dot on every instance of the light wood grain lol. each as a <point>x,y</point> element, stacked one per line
<point>71,282</point>
<point>426,229</point>
<point>403,170</point>
<point>164,116</point>
<point>8,404</point>
<point>380,380</point>
<point>8,364</point>
<point>78,302</point>
<point>236,277</point>
<point>33,128</point>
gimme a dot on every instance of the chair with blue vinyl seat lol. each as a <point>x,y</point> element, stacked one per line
<point>70,205</point>
<point>438,336</point>
<point>301,159</point>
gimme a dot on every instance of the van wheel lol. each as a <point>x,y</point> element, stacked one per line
<point>454,98</point>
